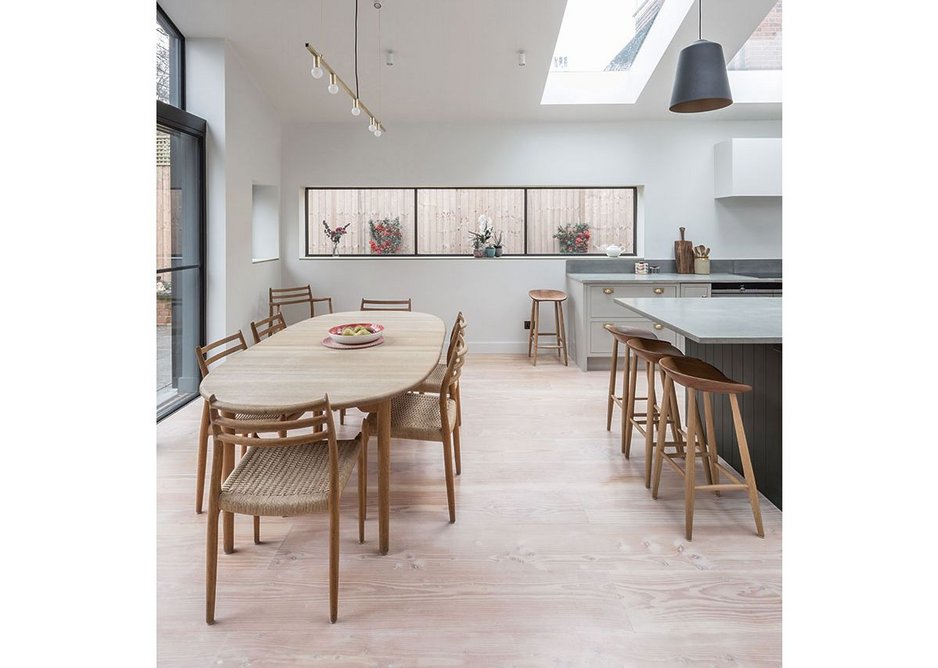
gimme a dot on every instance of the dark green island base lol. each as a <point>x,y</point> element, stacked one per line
<point>758,365</point>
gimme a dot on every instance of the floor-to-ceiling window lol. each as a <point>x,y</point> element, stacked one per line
<point>180,227</point>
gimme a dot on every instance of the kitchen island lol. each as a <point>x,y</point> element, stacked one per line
<point>742,338</point>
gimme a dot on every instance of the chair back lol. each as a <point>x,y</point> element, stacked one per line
<point>454,368</point>
<point>280,297</point>
<point>385,304</point>
<point>267,327</point>
<point>206,357</point>
<point>459,328</point>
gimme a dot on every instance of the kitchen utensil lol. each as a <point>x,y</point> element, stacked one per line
<point>684,255</point>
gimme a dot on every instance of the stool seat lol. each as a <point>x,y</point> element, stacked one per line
<point>697,374</point>
<point>547,295</point>
<point>651,350</point>
<point>623,334</point>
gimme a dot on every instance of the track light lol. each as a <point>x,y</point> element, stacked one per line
<point>522,59</point>
<point>335,82</point>
<point>389,58</point>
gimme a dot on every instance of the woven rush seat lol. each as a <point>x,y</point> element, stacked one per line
<point>417,417</point>
<point>285,481</point>
<point>433,381</point>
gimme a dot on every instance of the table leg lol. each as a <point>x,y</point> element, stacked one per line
<point>228,518</point>
<point>384,474</point>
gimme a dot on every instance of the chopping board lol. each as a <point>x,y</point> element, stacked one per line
<point>684,255</point>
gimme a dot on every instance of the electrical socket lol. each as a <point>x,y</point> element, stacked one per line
<point>527,324</point>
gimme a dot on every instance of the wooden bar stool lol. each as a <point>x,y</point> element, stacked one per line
<point>622,335</point>
<point>650,351</point>
<point>696,375</point>
<point>557,297</point>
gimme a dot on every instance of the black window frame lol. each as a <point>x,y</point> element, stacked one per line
<point>177,68</point>
<point>416,189</point>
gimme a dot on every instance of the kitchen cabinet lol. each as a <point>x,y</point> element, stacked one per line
<point>750,167</point>
<point>591,305</point>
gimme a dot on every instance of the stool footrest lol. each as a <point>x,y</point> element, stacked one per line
<point>721,487</point>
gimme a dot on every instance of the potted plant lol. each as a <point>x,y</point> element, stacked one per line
<point>335,236</point>
<point>386,236</point>
<point>573,238</point>
<point>497,243</point>
<point>481,238</point>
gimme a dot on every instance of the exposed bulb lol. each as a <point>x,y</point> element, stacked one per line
<point>317,71</point>
<point>378,132</point>
<point>372,127</point>
<point>333,86</point>
<point>356,110</point>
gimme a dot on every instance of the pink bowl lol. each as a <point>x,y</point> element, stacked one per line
<point>336,333</point>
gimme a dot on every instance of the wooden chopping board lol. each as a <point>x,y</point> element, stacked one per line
<point>684,255</point>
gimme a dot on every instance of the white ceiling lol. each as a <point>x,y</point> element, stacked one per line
<point>455,60</point>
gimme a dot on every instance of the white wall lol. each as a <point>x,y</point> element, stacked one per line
<point>243,149</point>
<point>672,160</point>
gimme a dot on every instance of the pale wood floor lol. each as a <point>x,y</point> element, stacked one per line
<point>558,557</point>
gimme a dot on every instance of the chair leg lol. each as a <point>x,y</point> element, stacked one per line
<point>456,455</point>
<point>703,439</point>
<point>448,468</point>
<point>747,464</point>
<point>257,530</point>
<point>666,409</point>
<point>562,333</point>
<point>202,457</point>
<point>342,416</point>
<point>630,411</point>
<point>650,422</point>
<point>689,468</point>
<point>534,326</point>
<point>612,383</point>
<point>711,440</point>
<point>362,487</point>
<point>228,524</point>
<point>458,405</point>
<point>675,418</point>
<point>531,330</point>
<point>333,560</point>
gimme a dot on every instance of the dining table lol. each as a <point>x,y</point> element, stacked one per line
<point>294,367</point>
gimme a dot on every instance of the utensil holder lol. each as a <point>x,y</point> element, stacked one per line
<point>701,265</point>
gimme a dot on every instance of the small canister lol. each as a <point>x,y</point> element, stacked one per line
<point>641,267</point>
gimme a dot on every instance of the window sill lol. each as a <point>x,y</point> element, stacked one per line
<point>382,258</point>
<point>262,260</point>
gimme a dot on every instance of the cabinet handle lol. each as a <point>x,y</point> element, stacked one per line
<point>657,326</point>
<point>659,291</point>
<point>608,291</point>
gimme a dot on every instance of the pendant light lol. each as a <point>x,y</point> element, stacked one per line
<point>701,82</point>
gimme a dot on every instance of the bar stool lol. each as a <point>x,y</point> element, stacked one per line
<point>622,335</point>
<point>650,351</point>
<point>557,297</point>
<point>696,375</point>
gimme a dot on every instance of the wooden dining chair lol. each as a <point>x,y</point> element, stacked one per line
<point>280,297</point>
<point>385,304</point>
<point>424,417</point>
<point>262,329</point>
<point>206,356</point>
<point>292,467</point>
<point>433,382</point>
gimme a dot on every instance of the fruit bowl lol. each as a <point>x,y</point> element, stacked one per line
<point>374,333</point>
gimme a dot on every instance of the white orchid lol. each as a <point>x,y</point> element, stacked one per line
<point>485,223</point>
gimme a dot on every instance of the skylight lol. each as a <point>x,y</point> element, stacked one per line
<point>763,50</point>
<point>602,35</point>
<point>607,49</point>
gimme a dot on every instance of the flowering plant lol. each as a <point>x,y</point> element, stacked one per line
<point>335,235</point>
<point>573,238</point>
<point>481,238</point>
<point>386,236</point>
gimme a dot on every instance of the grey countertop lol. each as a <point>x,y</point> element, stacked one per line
<point>755,320</point>
<point>588,279</point>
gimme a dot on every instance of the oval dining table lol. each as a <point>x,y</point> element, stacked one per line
<point>294,367</point>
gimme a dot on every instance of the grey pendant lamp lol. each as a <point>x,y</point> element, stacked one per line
<point>701,83</point>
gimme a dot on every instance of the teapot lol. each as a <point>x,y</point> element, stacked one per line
<point>611,250</point>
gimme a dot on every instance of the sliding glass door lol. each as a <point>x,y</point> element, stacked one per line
<point>180,232</point>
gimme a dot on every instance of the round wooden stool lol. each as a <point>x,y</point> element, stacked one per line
<point>622,335</point>
<point>696,375</point>
<point>557,297</point>
<point>649,351</point>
